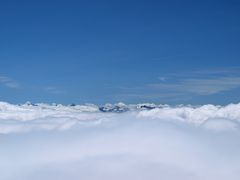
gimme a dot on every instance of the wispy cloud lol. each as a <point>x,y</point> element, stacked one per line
<point>9,83</point>
<point>208,73</point>
<point>54,90</point>
<point>187,84</point>
<point>203,86</point>
<point>162,78</point>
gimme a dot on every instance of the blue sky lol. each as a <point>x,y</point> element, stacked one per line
<point>108,51</point>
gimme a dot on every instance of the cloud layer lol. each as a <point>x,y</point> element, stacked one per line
<point>44,117</point>
<point>143,141</point>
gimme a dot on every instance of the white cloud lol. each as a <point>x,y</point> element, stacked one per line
<point>28,117</point>
<point>63,142</point>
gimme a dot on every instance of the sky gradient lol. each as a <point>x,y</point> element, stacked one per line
<point>109,51</point>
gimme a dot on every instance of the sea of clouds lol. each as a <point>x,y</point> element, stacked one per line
<point>142,141</point>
